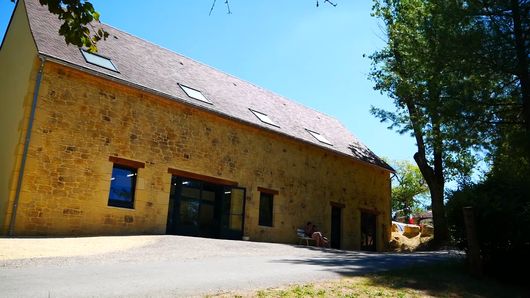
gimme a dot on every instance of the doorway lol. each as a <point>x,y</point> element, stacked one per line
<point>368,231</point>
<point>336,226</point>
<point>204,209</point>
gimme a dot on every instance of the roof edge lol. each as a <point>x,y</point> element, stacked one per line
<point>17,6</point>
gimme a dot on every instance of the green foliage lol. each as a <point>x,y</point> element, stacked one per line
<point>449,67</point>
<point>501,204</point>
<point>78,18</point>
<point>429,69</point>
<point>410,187</point>
<point>432,71</point>
<point>502,213</point>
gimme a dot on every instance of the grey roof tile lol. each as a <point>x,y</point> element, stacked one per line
<point>148,65</point>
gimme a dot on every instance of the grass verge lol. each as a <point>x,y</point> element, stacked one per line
<point>447,279</point>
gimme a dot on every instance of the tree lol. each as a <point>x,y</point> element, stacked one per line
<point>503,197</point>
<point>78,18</point>
<point>410,187</point>
<point>509,26</point>
<point>507,48</point>
<point>501,205</point>
<point>441,88</point>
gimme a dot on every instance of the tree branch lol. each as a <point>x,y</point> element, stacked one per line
<point>227,3</point>
<point>228,7</point>
<point>328,2</point>
<point>211,9</point>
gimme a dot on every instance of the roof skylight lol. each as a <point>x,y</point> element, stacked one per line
<point>195,94</point>
<point>319,137</point>
<point>264,118</point>
<point>99,60</point>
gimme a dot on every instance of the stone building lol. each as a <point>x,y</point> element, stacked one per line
<point>137,139</point>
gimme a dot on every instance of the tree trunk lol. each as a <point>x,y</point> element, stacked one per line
<point>436,182</point>
<point>473,246</point>
<point>441,231</point>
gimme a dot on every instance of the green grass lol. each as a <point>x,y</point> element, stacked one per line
<point>448,279</point>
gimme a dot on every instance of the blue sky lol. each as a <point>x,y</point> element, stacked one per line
<point>311,55</point>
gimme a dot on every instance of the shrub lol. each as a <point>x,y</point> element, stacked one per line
<point>501,206</point>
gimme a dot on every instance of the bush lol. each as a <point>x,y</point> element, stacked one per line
<point>502,213</point>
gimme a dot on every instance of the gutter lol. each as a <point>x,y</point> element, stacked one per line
<point>38,80</point>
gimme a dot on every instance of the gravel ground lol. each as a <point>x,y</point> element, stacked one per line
<point>175,266</point>
<point>23,248</point>
<point>119,249</point>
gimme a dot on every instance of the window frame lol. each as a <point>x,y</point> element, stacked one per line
<point>85,53</point>
<point>129,165</point>
<point>267,120</point>
<point>319,137</point>
<point>262,221</point>
<point>205,100</point>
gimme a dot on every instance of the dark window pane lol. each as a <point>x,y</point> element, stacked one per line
<point>265,209</point>
<point>189,213</point>
<point>122,185</point>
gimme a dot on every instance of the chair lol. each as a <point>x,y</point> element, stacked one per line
<point>300,233</point>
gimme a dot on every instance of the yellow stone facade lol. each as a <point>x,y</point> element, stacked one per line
<point>81,120</point>
<point>18,68</point>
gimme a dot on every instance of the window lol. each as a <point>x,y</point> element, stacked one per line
<point>265,209</point>
<point>122,185</point>
<point>123,182</point>
<point>319,137</point>
<point>98,60</point>
<point>195,94</point>
<point>264,118</point>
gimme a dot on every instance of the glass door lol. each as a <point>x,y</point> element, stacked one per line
<point>233,212</point>
<point>200,208</point>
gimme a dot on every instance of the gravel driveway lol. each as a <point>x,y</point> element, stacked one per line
<point>169,266</point>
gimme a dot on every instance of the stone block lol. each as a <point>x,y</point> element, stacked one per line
<point>427,230</point>
<point>410,231</point>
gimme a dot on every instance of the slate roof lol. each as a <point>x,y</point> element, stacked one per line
<point>159,70</point>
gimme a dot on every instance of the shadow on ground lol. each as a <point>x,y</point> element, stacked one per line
<point>446,279</point>
<point>436,274</point>
<point>352,263</point>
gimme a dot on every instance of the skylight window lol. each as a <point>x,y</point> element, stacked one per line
<point>195,94</point>
<point>264,118</point>
<point>319,137</point>
<point>99,60</point>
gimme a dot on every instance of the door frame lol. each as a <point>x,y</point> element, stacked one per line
<point>375,213</point>
<point>226,232</point>
<point>223,183</point>
<point>340,207</point>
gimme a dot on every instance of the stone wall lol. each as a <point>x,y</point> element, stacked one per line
<point>81,120</point>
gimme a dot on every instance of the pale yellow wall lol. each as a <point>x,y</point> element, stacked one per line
<point>18,66</point>
<point>82,120</point>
